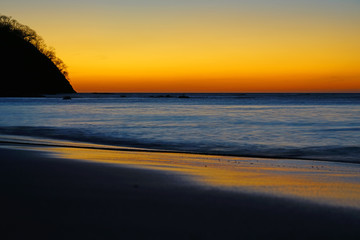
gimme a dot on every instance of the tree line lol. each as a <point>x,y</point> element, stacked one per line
<point>10,25</point>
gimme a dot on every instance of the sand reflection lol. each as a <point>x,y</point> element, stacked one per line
<point>322,182</point>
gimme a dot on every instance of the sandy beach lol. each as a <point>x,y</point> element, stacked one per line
<point>82,193</point>
<point>180,120</point>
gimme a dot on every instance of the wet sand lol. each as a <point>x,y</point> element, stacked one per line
<point>50,193</point>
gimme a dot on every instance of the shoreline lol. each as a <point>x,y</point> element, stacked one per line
<point>320,182</point>
<point>51,142</point>
<point>57,193</point>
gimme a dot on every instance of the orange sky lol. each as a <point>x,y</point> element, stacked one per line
<point>195,46</point>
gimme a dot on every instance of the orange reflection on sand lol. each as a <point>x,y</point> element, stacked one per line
<point>322,182</point>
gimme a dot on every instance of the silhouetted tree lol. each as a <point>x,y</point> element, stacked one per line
<point>8,24</point>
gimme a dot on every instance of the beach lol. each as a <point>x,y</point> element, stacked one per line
<point>180,120</point>
<point>59,192</point>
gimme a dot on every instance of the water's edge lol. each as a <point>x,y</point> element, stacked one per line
<point>20,140</point>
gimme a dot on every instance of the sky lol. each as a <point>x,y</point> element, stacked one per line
<point>200,45</point>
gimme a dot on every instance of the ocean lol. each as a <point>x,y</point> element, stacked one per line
<point>295,126</point>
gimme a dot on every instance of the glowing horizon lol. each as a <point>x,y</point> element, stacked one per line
<point>201,46</point>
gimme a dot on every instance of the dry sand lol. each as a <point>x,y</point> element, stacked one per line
<point>46,194</point>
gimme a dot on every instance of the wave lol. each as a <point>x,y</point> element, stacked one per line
<point>325,153</point>
<point>349,129</point>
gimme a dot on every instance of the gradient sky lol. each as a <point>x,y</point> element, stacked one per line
<point>201,45</point>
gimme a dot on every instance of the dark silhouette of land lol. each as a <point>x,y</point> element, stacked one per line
<point>28,67</point>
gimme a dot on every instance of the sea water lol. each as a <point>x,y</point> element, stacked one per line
<point>302,126</point>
